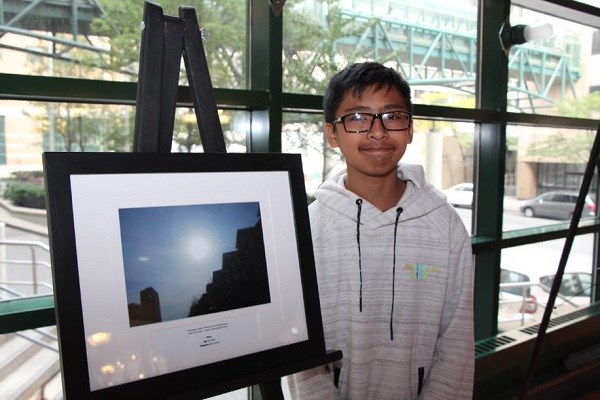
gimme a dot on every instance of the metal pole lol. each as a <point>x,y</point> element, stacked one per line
<point>34,270</point>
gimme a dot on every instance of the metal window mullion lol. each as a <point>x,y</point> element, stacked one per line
<point>265,73</point>
<point>492,81</point>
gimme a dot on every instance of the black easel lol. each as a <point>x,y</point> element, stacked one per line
<point>164,39</point>
<point>593,162</point>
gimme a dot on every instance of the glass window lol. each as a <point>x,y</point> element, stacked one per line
<point>554,75</point>
<point>29,129</point>
<point>535,266</point>
<point>303,133</point>
<point>443,148</point>
<point>543,162</point>
<point>433,43</point>
<point>186,136</point>
<point>101,40</point>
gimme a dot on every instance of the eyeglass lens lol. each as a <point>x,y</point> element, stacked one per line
<point>363,122</point>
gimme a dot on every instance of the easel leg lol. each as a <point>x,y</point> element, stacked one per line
<point>271,390</point>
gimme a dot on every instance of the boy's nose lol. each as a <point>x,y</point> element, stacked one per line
<point>377,131</point>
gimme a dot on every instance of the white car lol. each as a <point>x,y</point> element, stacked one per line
<point>460,195</point>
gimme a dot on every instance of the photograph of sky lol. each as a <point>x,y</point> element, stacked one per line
<point>175,249</point>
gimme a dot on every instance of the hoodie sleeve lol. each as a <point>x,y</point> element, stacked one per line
<point>313,384</point>
<point>452,372</point>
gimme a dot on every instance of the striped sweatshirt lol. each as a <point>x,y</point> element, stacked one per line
<point>396,296</point>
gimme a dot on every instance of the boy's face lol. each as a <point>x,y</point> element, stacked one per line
<point>375,153</point>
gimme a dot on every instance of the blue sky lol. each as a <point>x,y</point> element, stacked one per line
<point>175,249</point>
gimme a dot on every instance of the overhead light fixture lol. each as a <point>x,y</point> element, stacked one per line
<point>519,34</point>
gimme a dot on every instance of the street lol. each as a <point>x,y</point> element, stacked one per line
<point>539,259</point>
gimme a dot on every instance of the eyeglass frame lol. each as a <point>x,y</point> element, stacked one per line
<point>375,116</point>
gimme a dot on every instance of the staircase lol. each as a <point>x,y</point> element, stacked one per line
<point>29,365</point>
<point>29,360</point>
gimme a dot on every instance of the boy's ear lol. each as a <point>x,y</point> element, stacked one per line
<point>331,135</point>
<point>410,134</point>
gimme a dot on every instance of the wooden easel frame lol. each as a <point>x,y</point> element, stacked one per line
<point>164,39</point>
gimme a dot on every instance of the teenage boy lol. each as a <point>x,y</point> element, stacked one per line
<point>393,258</point>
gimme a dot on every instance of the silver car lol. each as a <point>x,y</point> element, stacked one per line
<point>557,204</point>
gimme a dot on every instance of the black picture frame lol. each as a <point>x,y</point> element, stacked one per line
<point>84,192</point>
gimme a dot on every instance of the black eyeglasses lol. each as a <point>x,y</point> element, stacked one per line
<point>363,122</point>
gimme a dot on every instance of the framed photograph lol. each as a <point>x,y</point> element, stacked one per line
<point>179,272</point>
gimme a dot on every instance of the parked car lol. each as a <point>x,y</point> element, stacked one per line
<point>523,298</point>
<point>460,195</point>
<point>557,204</point>
<point>516,304</point>
<point>575,286</point>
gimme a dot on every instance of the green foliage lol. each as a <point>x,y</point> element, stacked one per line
<point>27,176</point>
<point>581,107</point>
<point>83,127</point>
<point>26,189</point>
<point>561,147</point>
<point>24,195</point>
<point>223,24</point>
<point>122,25</point>
<point>566,146</point>
<point>311,55</point>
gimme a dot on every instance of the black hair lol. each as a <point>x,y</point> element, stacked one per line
<point>359,77</point>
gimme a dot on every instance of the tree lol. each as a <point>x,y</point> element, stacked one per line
<point>568,146</point>
<point>311,56</point>
<point>581,107</point>
<point>81,127</point>
<point>306,68</point>
<point>565,147</point>
<point>222,23</point>
<point>186,133</point>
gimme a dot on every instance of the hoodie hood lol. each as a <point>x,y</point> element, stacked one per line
<point>420,198</point>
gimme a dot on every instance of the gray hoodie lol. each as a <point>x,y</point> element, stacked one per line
<point>396,295</point>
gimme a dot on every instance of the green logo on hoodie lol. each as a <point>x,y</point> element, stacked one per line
<point>421,271</point>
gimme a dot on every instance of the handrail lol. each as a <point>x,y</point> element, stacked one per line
<point>526,285</point>
<point>39,342</point>
<point>35,264</point>
<point>33,261</point>
<point>34,243</point>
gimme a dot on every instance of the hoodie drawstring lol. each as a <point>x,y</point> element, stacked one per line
<point>398,212</point>
<point>359,205</point>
